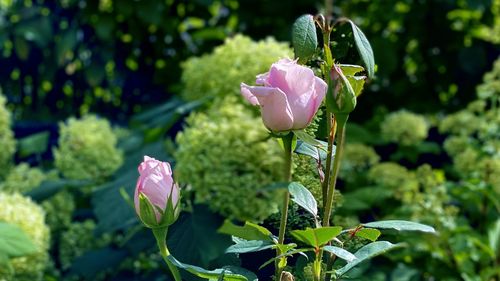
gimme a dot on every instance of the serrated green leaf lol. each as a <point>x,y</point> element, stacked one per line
<point>317,237</point>
<point>351,69</point>
<point>304,38</point>
<point>400,225</point>
<point>357,83</point>
<point>14,242</point>
<point>341,253</point>
<point>303,197</point>
<point>249,231</point>
<point>229,273</point>
<point>368,233</point>
<point>364,49</point>
<point>249,246</point>
<point>367,252</point>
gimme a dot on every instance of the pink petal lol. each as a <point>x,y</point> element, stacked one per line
<point>245,91</point>
<point>275,110</point>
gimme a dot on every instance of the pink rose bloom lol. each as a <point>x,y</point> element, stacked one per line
<point>156,183</point>
<point>289,97</point>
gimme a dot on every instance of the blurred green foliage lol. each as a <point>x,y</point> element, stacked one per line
<point>6,137</point>
<point>66,57</point>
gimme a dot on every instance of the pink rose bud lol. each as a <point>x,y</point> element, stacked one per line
<point>290,96</point>
<point>156,195</point>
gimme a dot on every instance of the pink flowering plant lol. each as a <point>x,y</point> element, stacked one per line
<point>289,96</point>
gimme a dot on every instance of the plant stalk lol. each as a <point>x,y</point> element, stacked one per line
<point>161,235</point>
<point>331,129</point>
<point>333,181</point>
<point>287,144</point>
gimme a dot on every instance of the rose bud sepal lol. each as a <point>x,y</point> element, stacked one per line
<point>148,215</point>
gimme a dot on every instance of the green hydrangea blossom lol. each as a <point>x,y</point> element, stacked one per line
<point>238,60</point>
<point>78,239</point>
<point>460,123</point>
<point>393,176</point>
<point>22,178</point>
<point>59,209</point>
<point>225,155</point>
<point>429,203</point>
<point>87,149</point>
<point>404,127</point>
<point>6,137</point>
<point>357,159</point>
<point>23,212</point>
<point>455,145</point>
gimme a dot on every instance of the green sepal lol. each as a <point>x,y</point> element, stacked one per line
<point>147,212</point>
<point>171,213</point>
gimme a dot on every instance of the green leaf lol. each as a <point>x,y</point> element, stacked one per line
<point>34,144</point>
<point>317,237</point>
<point>351,69</point>
<point>364,49</point>
<point>400,225</point>
<point>494,237</point>
<point>287,254</point>
<point>341,253</point>
<point>367,252</point>
<point>304,38</point>
<point>357,83</point>
<point>249,231</point>
<point>319,153</point>
<point>49,188</point>
<point>301,134</point>
<point>229,273</point>
<point>194,238</point>
<point>14,242</point>
<point>368,233</point>
<point>303,197</point>
<point>248,246</point>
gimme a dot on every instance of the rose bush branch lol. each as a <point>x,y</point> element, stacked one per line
<point>289,98</point>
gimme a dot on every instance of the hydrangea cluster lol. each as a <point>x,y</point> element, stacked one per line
<point>357,159</point>
<point>6,137</point>
<point>393,176</point>
<point>226,155</point>
<point>22,178</point>
<point>474,133</point>
<point>21,211</point>
<point>59,209</point>
<point>78,239</point>
<point>87,149</point>
<point>405,128</point>
<point>238,60</point>
<point>428,203</point>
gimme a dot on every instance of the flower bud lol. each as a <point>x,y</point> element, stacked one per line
<point>341,98</point>
<point>156,195</point>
